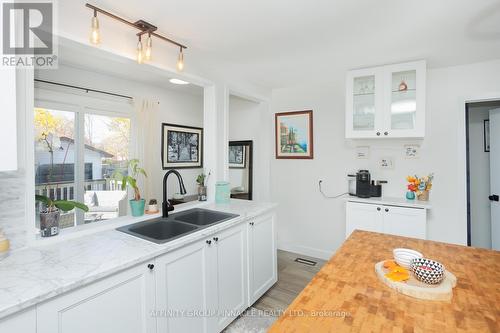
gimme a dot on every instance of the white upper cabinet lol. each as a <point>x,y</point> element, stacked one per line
<point>8,134</point>
<point>386,101</point>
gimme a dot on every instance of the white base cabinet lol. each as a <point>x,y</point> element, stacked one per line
<point>184,292</point>
<point>201,287</point>
<point>120,303</point>
<point>394,220</point>
<point>262,251</point>
<point>22,322</point>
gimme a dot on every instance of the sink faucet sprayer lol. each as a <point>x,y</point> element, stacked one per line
<point>166,206</point>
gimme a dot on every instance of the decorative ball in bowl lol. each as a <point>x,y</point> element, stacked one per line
<point>427,270</point>
<point>404,256</point>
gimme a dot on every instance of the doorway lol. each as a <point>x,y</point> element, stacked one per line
<point>483,186</point>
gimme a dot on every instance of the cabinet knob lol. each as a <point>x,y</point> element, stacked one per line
<point>216,239</point>
<point>208,242</point>
<point>378,208</point>
<point>386,133</point>
<point>387,209</point>
<point>378,133</point>
<point>151,266</point>
<point>251,223</point>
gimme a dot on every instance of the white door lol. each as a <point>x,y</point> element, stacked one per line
<point>364,103</point>
<point>22,322</point>
<point>120,303</point>
<point>8,134</point>
<point>231,273</point>
<point>185,288</point>
<point>362,216</point>
<point>262,255</point>
<point>403,221</point>
<point>494,179</point>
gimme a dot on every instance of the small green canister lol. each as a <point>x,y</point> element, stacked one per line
<point>222,192</point>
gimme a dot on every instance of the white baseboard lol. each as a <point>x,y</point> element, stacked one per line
<point>307,251</point>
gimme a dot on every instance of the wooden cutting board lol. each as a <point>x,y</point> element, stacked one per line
<point>415,288</point>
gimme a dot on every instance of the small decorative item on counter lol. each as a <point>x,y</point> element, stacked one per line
<point>49,217</point>
<point>137,204</point>
<point>403,86</point>
<point>428,271</point>
<point>396,272</point>
<point>410,195</point>
<point>4,245</point>
<point>404,257</point>
<point>152,206</point>
<point>202,188</point>
<point>222,192</point>
<point>419,186</point>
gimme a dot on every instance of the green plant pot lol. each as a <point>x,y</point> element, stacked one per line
<point>137,207</point>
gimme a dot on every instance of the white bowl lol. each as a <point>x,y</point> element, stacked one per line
<point>404,257</point>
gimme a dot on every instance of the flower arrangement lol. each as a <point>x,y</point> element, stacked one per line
<point>420,185</point>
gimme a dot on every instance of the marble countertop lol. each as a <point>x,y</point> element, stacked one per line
<point>403,202</point>
<point>33,275</point>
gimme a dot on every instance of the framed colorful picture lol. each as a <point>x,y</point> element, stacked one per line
<point>181,147</point>
<point>294,135</point>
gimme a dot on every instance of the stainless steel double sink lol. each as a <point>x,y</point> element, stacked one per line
<point>162,230</point>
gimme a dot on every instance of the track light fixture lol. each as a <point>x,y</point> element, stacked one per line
<point>180,61</point>
<point>140,55</point>
<point>149,48</point>
<point>143,54</point>
<point>95,37</point>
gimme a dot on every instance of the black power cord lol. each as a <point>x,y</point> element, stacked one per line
<point>327,196</point>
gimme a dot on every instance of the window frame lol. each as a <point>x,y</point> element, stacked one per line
<point>82,103</point>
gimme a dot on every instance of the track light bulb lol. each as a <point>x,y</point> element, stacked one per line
<point>95,36</point>
<point>180,61</point>
<point>149,48</point>
<point>140,55</point>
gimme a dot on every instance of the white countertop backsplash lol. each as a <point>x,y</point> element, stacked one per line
<point>32,275</point>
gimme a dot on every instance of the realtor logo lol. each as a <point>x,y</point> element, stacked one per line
<point>28,34</point>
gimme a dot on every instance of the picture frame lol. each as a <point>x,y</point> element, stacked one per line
<point>411,151</point>
<point>486,135</point>
<point>237,156</point>
<point>181,146</point>
<point>294,135</point>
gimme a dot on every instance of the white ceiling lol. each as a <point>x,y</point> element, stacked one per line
<point>277,43</point>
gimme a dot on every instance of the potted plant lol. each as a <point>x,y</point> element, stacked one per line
<point>202,189</point>
<point>49,218</point>
<point>153,206</point>
<point>137,204</point>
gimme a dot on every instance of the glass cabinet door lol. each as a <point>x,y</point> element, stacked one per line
<point>364,103</point>
<point>403,106</point>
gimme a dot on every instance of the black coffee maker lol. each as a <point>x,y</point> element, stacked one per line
<point>363,185</point>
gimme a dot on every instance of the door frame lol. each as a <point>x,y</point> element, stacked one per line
<point>493,102</point>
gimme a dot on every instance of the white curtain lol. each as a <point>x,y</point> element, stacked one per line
<point>145,114</point>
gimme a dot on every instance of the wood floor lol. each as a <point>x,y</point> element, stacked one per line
<point>292,278</point>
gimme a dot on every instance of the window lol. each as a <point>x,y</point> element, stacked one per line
<point>106,150</point>
<point>76,154</point>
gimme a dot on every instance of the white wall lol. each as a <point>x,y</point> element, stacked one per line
<point>173,107</point>
<point>313,225</point>
<point>479,178</point>
<point>248,121</point>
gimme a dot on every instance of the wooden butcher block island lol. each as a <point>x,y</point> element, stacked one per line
<point>347,296</point>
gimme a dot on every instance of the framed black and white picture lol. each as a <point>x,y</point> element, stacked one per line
<point>486,135</point>
<point>181,146</point>
<point>237,156</point>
